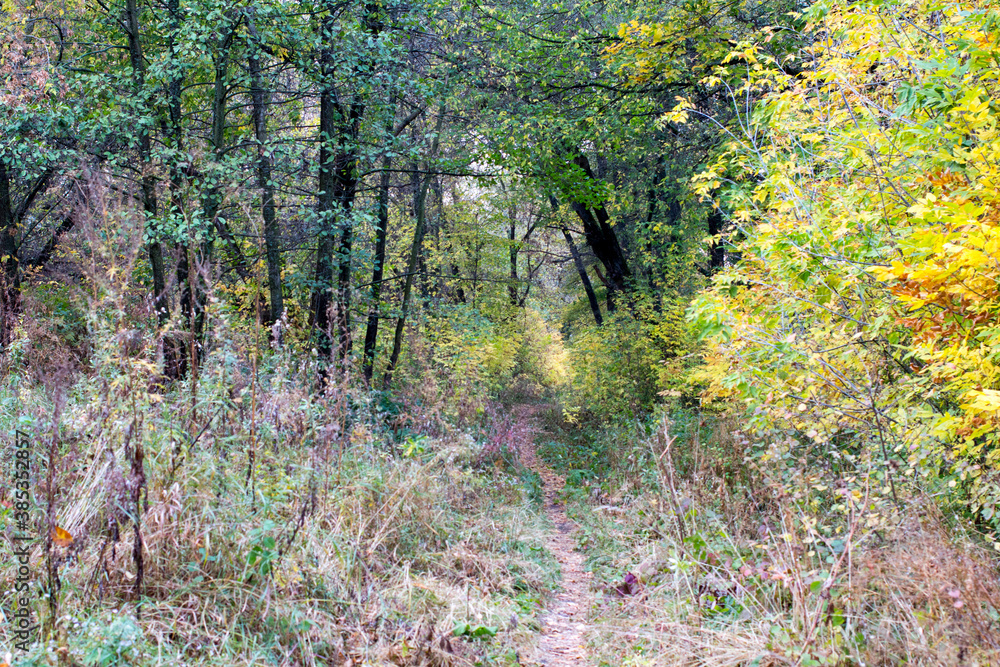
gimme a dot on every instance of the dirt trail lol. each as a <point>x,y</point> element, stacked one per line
<point>564,624</point>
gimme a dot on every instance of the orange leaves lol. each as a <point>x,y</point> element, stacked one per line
<point>61,537</point>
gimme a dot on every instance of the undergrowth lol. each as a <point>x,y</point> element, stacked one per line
<point>241,518</point>
<point>706,550</point>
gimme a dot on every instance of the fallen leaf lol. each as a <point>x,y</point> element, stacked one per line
<point>61,537</point>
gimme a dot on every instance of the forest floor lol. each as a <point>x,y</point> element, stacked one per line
<point>564,625</point>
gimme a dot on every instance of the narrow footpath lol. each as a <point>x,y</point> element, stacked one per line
<point>564,624</point>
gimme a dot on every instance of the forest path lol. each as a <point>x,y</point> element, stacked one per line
<point>564,623</point>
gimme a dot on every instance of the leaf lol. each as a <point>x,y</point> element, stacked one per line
<point>477,631</point>
<point>61,537</point>
<point>484,631</point>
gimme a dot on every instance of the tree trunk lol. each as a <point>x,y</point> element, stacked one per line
<point>512,240</point>
<point>588,287</point>
<point>272,231</point>
<point>371,332</point>
<point>338,181</point>
<point>194,295</point>
<point>595,307</point>
<point>420,197</point>
<point>175,353</point>
<point>338,184</point>
<point>10,289</point>
<point>601,238</point>
<point>347,181</point>
<point>325,204</point>
<point>419,206</point>
<point>381,234</point>
<point>155,250</point>
<point>716,251</point>
<point>455,272</point>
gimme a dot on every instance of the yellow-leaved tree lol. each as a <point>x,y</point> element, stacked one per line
<point>862,316</point>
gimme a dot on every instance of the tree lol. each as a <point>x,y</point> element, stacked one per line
<point>862,309</point>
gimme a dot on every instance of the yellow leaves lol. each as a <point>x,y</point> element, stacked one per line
<point>746,52</point>
<point>641,46</point>
<point>895,271</point>
<point>985,402</point>
<point>923,207</point>
<point>931,274</point>
<point>625,29</point>
<point>679,114</point>
<point>877,217</point>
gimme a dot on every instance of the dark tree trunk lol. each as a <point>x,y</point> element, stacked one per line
<point>325,210</point>
<point>511,238</point>
<point>338,184</point>
<point>10,289</point>
<point>602,239</point>
<point>671,214</point>
<point>272,232</point>
<point>371,331</point>
<point>717,251</point>
<point>419,202</point>
<point>155,250</point>
<point>595,307</point>
<point>347,180</point>
<point>175,353</point>
<point>607,287</point>
<point>440,285</point>
<point>455,287</point>
<point>378,270</point>
<point>194,294</point>
<point>459,292</point>
<point>419,210</point>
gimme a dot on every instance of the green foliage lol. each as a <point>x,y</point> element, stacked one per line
<point>613,369</point>
<point>263,553</point>
<point>114,643</point>
<point>474,631</point>
<point>622,369</point>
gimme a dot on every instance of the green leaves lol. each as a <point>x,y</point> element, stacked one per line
<point>474,631</point>
<point>264,553</point>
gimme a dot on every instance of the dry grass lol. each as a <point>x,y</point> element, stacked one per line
<point>738,580</point>
<point>277,526</point>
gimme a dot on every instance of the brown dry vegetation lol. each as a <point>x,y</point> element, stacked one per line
<point>277,525</point>
<point>737,579</point>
